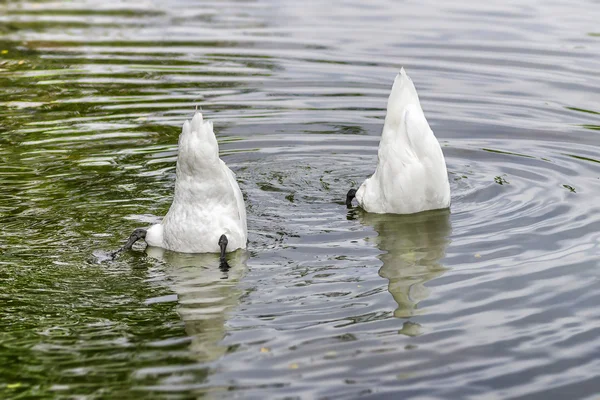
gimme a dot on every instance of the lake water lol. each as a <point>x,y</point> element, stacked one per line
<point>496,299</point>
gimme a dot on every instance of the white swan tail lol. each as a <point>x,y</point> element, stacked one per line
<point>198,147</point>
<point>411,171</point>
<point>403,94</point>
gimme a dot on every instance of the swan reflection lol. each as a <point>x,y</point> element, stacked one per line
<point>205,293</point>
<point>413,245</point>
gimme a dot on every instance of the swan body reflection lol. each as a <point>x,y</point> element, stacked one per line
<point>205,293</point>
<point>413,246</point>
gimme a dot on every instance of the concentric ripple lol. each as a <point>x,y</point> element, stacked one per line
<point>496,298</point>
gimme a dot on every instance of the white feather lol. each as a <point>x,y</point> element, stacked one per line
<point>411,171</point>
<point>207,202</point>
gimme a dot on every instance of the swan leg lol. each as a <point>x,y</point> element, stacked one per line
<point>223,245</point>
<point>349,197</point>
<point>135,236</point>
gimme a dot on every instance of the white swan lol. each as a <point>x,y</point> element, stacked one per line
<point>411,171</point>
<point>208,214</point>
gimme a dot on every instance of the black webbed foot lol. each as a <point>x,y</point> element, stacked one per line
<point>135,236</point>
<point>223,245</point>
<point>224,266</point>
<point>349,197</point>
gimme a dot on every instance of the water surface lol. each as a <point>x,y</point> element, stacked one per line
<point>497,298</point>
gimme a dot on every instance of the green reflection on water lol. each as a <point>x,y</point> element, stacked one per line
<point>583,110</point>
<point>583,158</point>
<point>86,155</point>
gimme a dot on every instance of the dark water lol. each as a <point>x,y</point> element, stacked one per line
<point>497,299</point>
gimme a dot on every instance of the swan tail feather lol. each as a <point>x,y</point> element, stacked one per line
<point>198,146</point>
<point>403,94</point>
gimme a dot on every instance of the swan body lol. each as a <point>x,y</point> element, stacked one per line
<point>411,173</point>
<point>207,202</point>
